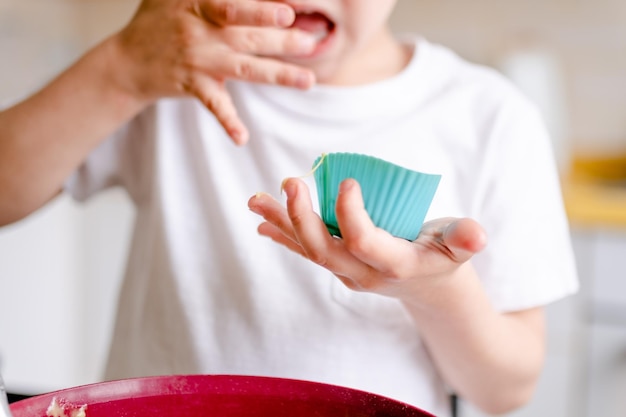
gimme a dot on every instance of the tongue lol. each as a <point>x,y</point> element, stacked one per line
<point>314,23</point>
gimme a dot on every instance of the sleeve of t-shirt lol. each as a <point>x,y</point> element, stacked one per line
<point>104,167</point>
<point>528,260</point>
<point>120,160</point>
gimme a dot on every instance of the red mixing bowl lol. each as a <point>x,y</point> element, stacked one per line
<point>216,396</point>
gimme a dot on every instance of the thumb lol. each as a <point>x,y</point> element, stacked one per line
<point>464,238</point>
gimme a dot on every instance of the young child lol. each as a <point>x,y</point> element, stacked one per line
<point>205,293</point>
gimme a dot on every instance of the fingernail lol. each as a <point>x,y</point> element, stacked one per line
<point>261,194</point>
<point>303,80</point>
<point>346,185</point>
<point>288,188</point>
<point>253,207</point>
<point>284,17</point>
<point>282,185</point>
<point>239,137</point>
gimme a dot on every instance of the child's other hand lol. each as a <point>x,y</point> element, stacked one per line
<point>368,258</point>
<point>190,47</point>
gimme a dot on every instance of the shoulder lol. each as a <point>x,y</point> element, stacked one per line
<point>489,104</point>
<point>482,85</point>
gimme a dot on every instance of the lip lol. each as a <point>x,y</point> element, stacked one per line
<point>307,8</point>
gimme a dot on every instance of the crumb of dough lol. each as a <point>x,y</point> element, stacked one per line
<point>62,408</point>
<point>81,412</point>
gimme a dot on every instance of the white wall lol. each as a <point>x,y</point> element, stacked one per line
<point>587,38</point>
<point>59,268</point>
<point>59,274</point>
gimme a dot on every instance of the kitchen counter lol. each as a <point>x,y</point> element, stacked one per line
<point>595,192</point>
<point>595,200</point>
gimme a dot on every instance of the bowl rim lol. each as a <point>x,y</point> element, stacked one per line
<point>212,384</point>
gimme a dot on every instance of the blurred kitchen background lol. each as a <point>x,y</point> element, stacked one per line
<point>60,268</point>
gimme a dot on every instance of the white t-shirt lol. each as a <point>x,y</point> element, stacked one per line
<point>205,294</point>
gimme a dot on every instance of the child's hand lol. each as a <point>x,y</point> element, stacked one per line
<point>368,258</point>
<point>491,359</point>
<point>190,47</point>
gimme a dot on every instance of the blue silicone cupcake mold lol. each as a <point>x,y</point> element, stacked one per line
<point>396,198</point>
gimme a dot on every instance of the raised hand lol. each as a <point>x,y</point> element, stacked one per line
<point>190,47</point>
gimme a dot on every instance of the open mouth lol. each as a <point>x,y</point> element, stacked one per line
<point>315,23</point>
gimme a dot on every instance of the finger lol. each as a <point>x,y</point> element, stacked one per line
<point>277,235</point>
<point>273,212</point>
<point>256,69</point>
<point>270,42</point>
<point>370,244</point>
<point>319,246</point>
<point>464,238</point>
<point>349,283</point>
<point>216,98</point>
<point>247,13</point>
<point>271,231</point>
<point>458,239</point>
